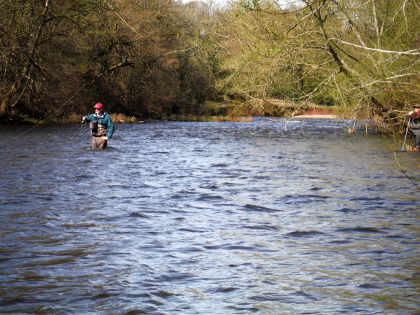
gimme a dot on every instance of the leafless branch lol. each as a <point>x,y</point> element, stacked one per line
<point>407,52</point>
<point>308,95</point>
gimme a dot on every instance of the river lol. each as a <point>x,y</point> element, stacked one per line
<point>266,217</point>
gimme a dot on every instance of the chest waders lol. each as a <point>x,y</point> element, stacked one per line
<point>415,126</point>
<point>97,128</point>
<point>415,130</point>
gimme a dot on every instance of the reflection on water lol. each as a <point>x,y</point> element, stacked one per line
<point>208,218</point>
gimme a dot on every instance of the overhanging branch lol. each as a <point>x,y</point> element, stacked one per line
<point>412,52</point>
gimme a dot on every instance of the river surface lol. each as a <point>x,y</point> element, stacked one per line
<point>262,217</point>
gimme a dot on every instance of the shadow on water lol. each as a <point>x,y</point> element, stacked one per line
<point>271,216</point>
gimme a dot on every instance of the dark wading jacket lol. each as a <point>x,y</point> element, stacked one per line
<point>101,125</point>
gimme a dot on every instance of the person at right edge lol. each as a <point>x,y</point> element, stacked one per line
<point>101,127</point>
<point>414,123</point>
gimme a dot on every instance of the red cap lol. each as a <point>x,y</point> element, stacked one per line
<point>98,106</point>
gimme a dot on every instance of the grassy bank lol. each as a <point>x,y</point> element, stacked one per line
<point>234,111</point>
<point>72,118</point>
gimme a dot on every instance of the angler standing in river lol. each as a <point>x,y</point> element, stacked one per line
<point>414,123</point>
<point>101,127</point>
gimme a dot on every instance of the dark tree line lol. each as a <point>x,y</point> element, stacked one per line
<point>139,57</point>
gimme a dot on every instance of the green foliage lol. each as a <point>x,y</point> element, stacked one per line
<point>346,53</point>
<point>158,58</point>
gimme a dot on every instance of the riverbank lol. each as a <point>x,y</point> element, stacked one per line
<point>319,116</point>
<point>211,112</point>
<point>318,113</point>
<point>72,118</point>
<point>241,112</point>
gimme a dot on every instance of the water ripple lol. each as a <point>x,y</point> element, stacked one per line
<point>272,216</point>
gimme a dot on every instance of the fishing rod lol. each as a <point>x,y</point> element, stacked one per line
<point>406,132</point>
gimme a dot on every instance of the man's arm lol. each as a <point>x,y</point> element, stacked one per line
<point>110,128</point>
<point>87,118</point>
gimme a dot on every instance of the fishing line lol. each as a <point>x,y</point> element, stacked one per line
<point>86,85</point>
<point>83,130</point>
<point>404,171</point>
<point>83,86</point>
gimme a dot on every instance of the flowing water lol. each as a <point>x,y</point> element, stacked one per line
<point>264,217</point>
